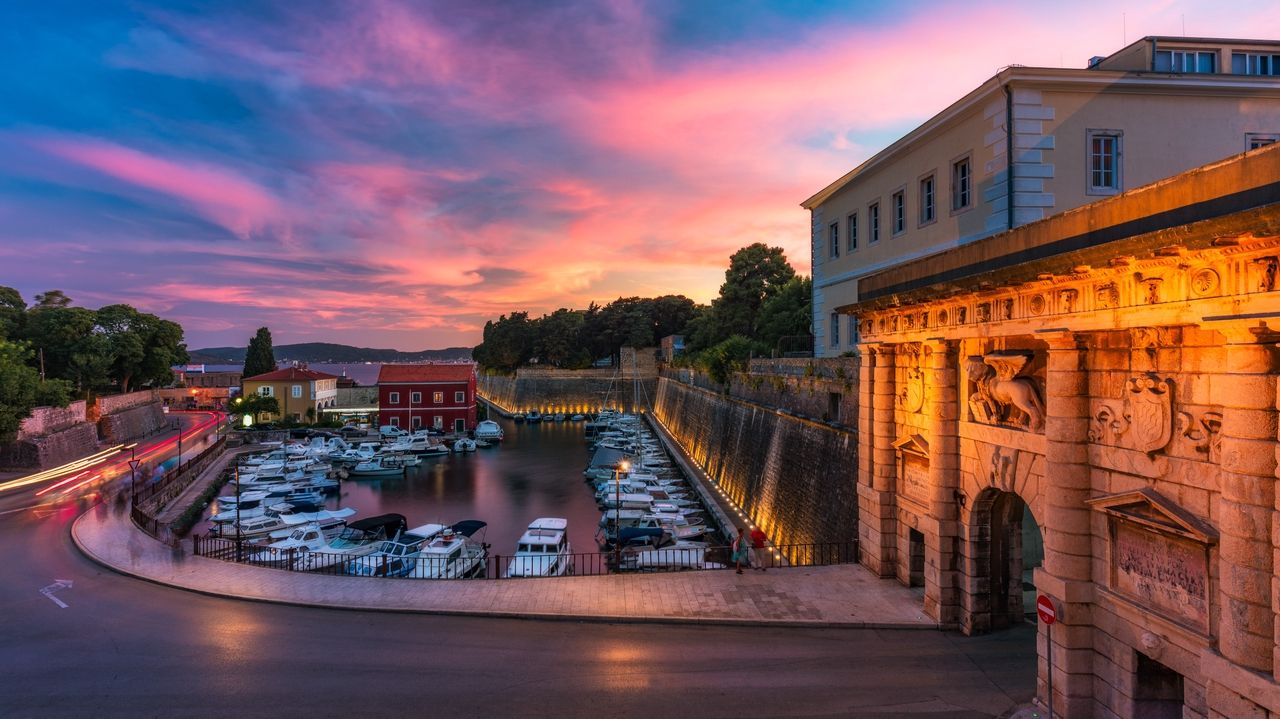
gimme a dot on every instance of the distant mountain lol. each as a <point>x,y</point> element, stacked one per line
<point>328,352</point>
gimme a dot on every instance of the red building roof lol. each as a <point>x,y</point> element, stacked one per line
<point>426,373</point>
<point>290,373</point>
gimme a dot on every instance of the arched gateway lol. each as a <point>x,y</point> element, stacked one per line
<point>1006,547</point>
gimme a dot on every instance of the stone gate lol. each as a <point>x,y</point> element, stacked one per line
<point>1103,382</point>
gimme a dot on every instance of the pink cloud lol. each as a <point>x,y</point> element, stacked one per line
<point>216,193</point>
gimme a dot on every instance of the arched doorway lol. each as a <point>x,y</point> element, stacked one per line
<point>1005,547</point>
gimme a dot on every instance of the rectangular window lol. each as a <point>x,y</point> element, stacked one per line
<point>835,330</point>
<point>851,227</point>
<point>417,422</point>
<point>927,213</point>
<point>297,391</point>
<point>833,240</point>
<point>395,421</point>
<point>1249,63</point>
<point>393,398</point>
<point>415,398</point>
<point>437,397</point>
<point>899,212</point>
<point>873,222</point>
<point>1254,140</point>
<point>1186,61</point>
<point>1104,167</point>
<point>459,397</point>
<point>437,422</point>
<point>853,330</point>
<point>459,425</point>
<point>266,391</point>
<point>960,179</point>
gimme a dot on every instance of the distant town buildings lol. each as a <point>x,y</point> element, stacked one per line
<point>1153,109</point>
<point>302,393</point>
<point>437,396</point>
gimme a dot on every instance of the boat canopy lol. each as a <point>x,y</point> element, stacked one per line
<point>468,527</point>
<point>390,523</point>
<point>631,534</point>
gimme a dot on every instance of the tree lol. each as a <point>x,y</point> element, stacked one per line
<point>143,346</point>
<point>508,342</point>
<point>756,272</point>
<point>259,358</point>
<point>71,348</point>
<point>52,298</point>
<point>254,406</point>
<point>559,339</point>
<point>727,357</point>
<point>21,389</point>
<point>13,312</point>
<point>788,313</point>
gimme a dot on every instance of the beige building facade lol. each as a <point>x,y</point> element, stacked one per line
<point>1085,408</point>
<point>301,393</point>
<point>1074,135</point>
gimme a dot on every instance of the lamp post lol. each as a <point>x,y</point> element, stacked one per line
<point>239,529</point>
<point>623,467</point>
<point>133,469</point>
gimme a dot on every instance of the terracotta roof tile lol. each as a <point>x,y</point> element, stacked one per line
<point>426,373</point>
<point>290,373</point>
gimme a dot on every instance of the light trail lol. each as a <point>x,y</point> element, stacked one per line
<point>52,487</point>
<point>109,462</point>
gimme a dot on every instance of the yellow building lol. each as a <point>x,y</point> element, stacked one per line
<point>301,392</point>
<point>1153,109</point>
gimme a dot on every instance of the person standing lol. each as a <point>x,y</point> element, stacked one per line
<point>739,547</point>
<point>759,555</point>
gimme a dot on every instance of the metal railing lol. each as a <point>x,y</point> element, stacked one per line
<point>502,566</point>
<point>175,481</point>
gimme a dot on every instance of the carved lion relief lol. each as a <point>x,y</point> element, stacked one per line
<point>1001,397</point>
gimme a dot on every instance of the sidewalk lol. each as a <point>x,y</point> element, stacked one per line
<point>835,596</point>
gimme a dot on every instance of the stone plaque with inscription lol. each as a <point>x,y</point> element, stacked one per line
<point>1159,555</point>
<point>915,478</point>
<point>1168,574</point>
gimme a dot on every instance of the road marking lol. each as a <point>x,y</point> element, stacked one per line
<point>57,584</point>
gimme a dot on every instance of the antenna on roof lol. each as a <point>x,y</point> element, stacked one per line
<point>1124,28</point>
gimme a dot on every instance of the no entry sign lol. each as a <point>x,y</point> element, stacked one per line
<point>1045,609</point>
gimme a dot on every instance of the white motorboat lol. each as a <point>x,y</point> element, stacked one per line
<point>451,554</point>
<point>377,467</point>
<point>577,418</point>
<point>489,430</point>
<point>543,550</point>
<point>464,445</point>
<point>395,557</point>
<point>273,521</point>
<point>357,539</point>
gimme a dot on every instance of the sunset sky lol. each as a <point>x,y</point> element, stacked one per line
<point>393,174</point>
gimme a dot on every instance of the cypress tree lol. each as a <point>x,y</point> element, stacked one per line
<point>259,358</point>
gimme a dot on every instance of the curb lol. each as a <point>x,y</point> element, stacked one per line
<point>495,614</point>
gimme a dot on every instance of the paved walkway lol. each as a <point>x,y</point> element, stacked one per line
<point>845,596</point>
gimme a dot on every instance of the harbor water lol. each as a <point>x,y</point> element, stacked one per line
<point>536,471</point>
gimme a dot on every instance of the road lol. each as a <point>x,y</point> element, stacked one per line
<point>126,648</point>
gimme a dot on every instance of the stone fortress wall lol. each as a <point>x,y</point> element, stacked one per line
<point>630,387</point>
<point>793,476</point>
<point>56,435</point>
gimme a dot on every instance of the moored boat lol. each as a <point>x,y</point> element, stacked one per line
<point>489,430</point>
<point>543,550</point>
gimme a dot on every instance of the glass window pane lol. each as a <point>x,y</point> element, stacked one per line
<point>1164,61</point>
<point>1237,63</point>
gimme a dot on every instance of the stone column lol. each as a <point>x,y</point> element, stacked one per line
<point>1246,390</point>
<point>866,383</point>
<point>1066,575</point>
<point>941,592</point>
<point>877,523</point>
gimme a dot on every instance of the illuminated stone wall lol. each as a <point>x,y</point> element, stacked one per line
<point>795,477</point>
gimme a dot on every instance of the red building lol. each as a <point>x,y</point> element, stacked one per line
<point>413,396</point>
